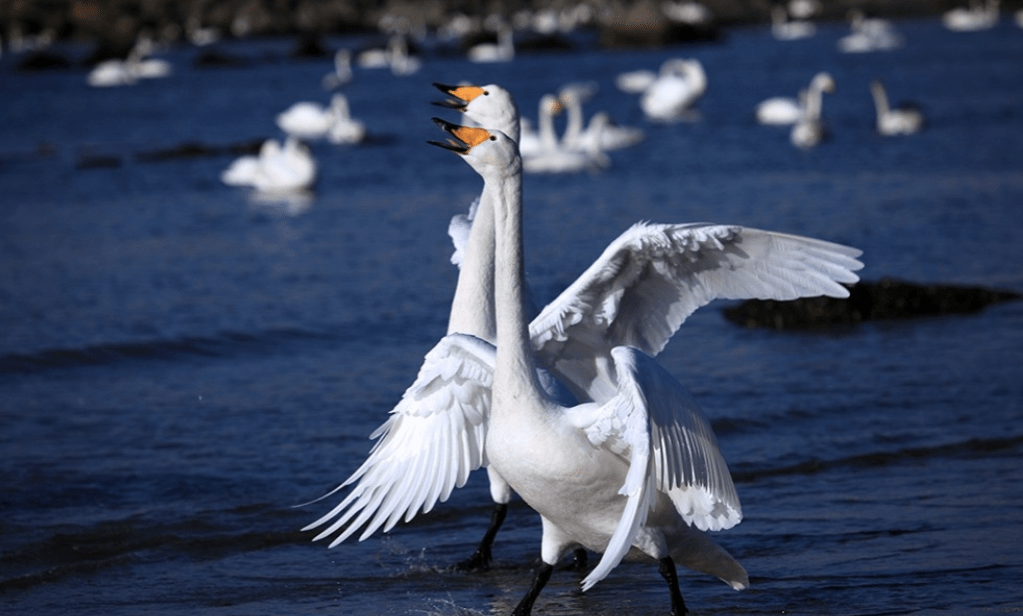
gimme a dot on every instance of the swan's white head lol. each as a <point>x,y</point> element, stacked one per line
<point>824,82</point>
<point>489,105</point>
<point>488,151</point>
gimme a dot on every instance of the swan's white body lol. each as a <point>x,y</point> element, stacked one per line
<point>635,82</point>
<point>672,95</point>
<point>809,130</point>
<point>308,120</point>
<point>780,110</point>
<point>868,35</point>
<point>637,294</point>
<point>978,16</point>
<point>785,29</point>
<point>785,111</point>
<point>893,121</point>
<point>277,168</point>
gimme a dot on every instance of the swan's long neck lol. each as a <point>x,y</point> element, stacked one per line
<point>880,98</point>
<point>548,138</point>
<point>514,371</point>
<point>813,101</point>
<point>472,309</point>
<point>574,128</point>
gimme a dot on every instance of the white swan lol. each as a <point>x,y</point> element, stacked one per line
<point>803,9</point>
<point>342,72</point>
<point>601,134</point>
<point>551,155</point>
<point>868,35</point>
<point>395,57</point>
<point>673,94</point>
<point>137,65</point>
<point>784,111</point>
<point>291,168</point>
<point>890,121</point>
<point>309,120</point>
<point>980,15</point>
<point>502,51</point>
<point>277,168</point>
<point>785,29</point>
<point>653,266</point>
<point>809,130</point>
<point>345,128</point>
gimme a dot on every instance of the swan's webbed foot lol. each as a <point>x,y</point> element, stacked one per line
<point>480,560</point>
<point>670,575</point>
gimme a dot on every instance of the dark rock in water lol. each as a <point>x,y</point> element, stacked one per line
<point>308,46</point>
<point>211,58</point>
<point>867,301</point>
<point>194,149</point>
<point>98,161</point>
<point>43,61</point>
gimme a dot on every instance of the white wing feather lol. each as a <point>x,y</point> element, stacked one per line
<point>655,424</point>
<point>652,277</point>
<point>433,439</point>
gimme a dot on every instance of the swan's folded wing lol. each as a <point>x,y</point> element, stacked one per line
<point>428,446</point>
<point>655,424</point>
<point>652,277</point>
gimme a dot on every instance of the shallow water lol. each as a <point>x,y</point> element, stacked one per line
<point>180,363</point>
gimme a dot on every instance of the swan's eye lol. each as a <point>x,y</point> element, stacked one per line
<point>493,138</point>
<point>485,93</point>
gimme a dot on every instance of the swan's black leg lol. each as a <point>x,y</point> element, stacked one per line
<point>670,575</point>
<point>542,576</point>
<point>480,560</point>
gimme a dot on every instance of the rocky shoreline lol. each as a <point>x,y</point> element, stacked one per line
<point>114,26</point>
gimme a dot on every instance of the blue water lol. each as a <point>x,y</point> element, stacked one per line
<point>181,363</point>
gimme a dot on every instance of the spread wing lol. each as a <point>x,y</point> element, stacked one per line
<point>653,276</point>
<point>655,424</point>
<point>433,439</point>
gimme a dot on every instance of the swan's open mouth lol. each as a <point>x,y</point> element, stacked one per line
<point>465,137</point>
<point>463,95</point>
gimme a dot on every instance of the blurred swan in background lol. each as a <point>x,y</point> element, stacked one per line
<point>277,168</point>
<point>501,51</point>
<point>677,88</point>
<point>980,15</point>
<point>289,168</point>
<point>785,29</point>
<point>342,72</point>
<point>601,134</point>
<point>137,65</point>
<point>308,120</point>
<point>869,34</point>
<point>904,121</point>
<point>549,154</point>
<point>783,111</point>
<point>395,57</point>
<point>809,130</point>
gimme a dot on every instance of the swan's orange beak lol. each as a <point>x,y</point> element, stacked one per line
<point>465,137</point>
<point>463,95</point>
